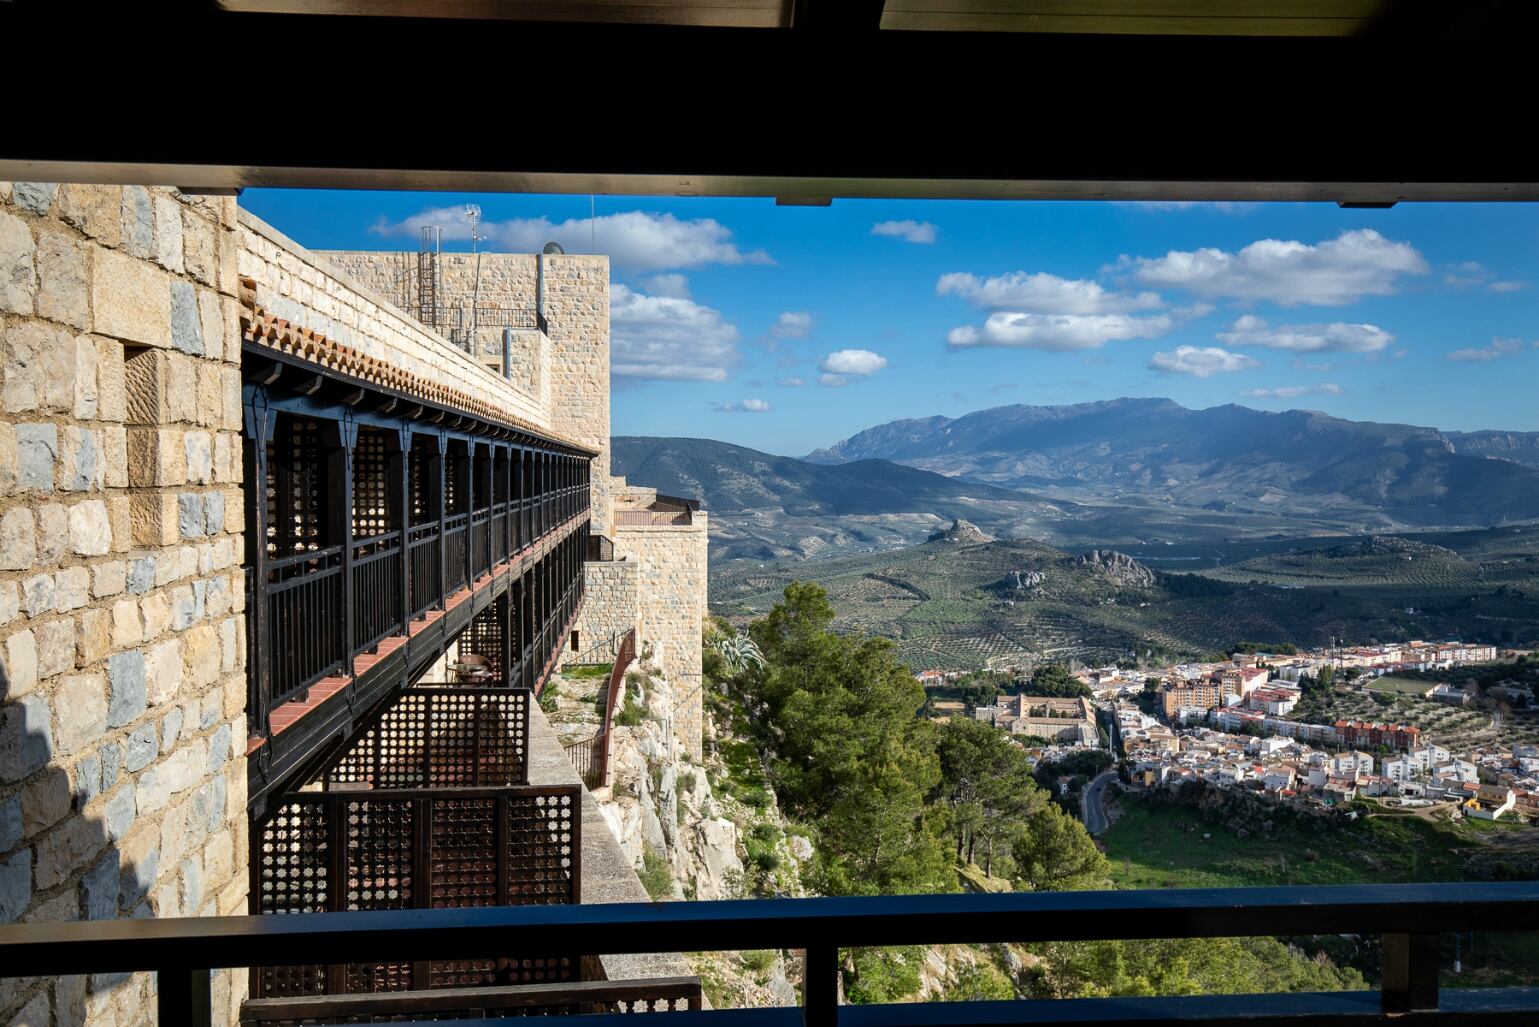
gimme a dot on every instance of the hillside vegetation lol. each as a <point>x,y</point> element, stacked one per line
<point>963,605</point>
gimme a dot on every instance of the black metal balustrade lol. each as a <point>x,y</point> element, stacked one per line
<point>303,595</point>
<point>377,589</point>
<point>417,849</point>
<point>1410,918</point>
<point>571,998</point>
<point>426,588</point>
<point>435,737</point>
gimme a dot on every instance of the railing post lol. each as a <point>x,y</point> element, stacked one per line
<point>405,523</point>
<point>184,997</point>
<point>259,423</point>
<point>820,986</point>
<point>348,430</point>
<point>1409,979</point>
<point>443,522</point>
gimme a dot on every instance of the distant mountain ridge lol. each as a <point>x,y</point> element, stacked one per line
<point>1225,457</point>
<point>767,507</point>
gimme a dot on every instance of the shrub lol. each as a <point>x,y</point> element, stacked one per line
<point>656,877</point>
<point>757,960</point>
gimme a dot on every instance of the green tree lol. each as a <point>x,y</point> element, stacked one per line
<point>1055,853</point>
<point>839,718</point>
<point>987,784</point>
<point>1053,679</point>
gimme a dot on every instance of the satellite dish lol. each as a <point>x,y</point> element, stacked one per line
<point>553,247</point>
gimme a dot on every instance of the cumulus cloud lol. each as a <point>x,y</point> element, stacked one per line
<point>747,406</point>
<point>665,337</point>
<point>1331,273</point>
<point>1498,348</point>
<point>1042,293</point>
<point>1200,362</point>
<point>674,286</point>
<point>792,324</point>
<point>1057,333</point>
<point>852,362</point>
<point>636,240</point>
<point>908,231</point>
<point>1293,391</point>
<point>792,382</point>
<point>1336,337</point>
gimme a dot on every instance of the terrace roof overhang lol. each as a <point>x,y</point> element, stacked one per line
<point>1367,102</point>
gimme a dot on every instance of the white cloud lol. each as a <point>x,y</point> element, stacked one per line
<point>909,231</point>
<point>1498,348</point>
<point>1057,333</point>
<point>664,337</point>
<point>1201,362</point>
<point>792,324</point>
<point>1472,274</point>
<point>1042,293</point>
<point>636,240</point>
<point>791,383</point>
<point>852,362</point>
<point>1293,391</point>
<point>1336,337</point>
<point>1331,273</point>
<point>674,286</point>
<point>747,406</point>
<point>833,381</point>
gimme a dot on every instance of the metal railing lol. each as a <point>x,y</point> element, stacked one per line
<point>414,849</point>
<point>648,995</point>
<point>1410,918</point>
<point>652,517</point>
<point>435,737</point>
<point>303,594</point>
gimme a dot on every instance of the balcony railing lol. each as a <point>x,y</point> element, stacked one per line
<point>304,608</point>
<point>590,756</point>
<point>441,738</point>
<point>651,995</point>
<point>1410,918</point>
<point>416,849</point>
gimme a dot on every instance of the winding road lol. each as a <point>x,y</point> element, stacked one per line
<point>1091,808</point>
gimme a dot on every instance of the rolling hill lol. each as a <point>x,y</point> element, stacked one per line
<point>771,507</point>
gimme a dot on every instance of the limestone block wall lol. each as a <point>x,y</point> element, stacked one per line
<point>610,604</point>
<point>309,290</point>
<point>573,378</point>
<point>671,594</point>
<point>122,724</point>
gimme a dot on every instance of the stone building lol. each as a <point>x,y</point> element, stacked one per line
<point>245,498</point>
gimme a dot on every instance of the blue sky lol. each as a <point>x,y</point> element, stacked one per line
<point>1423,314</point>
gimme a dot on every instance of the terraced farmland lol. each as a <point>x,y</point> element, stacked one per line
<point>961,605</point>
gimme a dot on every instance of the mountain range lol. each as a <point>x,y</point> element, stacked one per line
<point>1227,458</point>
<point>772,507</point>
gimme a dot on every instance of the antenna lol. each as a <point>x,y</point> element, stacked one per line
<point>473,215</point>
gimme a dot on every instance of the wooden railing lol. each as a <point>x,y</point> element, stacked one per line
<point>1409,917</point>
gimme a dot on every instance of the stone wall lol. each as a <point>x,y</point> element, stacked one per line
<point>672,598</point>
<point>122,727</point>
<point>610,606</point>
<point>308,290</point>
<point>566,369</point>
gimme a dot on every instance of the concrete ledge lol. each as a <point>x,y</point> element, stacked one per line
<point>607,875</point>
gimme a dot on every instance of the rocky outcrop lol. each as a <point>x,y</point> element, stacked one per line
<point>1121,567</point>
<point>961,532</point>
<point>660,801</point>
<point>1019,581</point>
